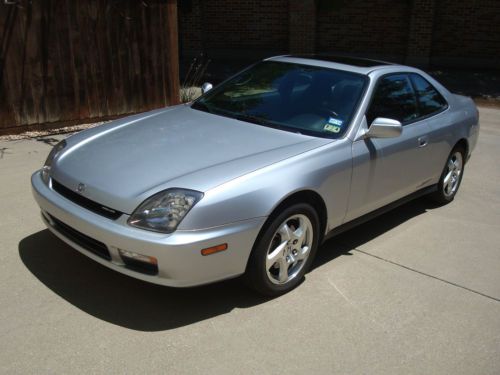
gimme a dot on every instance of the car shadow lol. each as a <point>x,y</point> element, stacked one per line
<point>142,306</point>
<point>123,300</point>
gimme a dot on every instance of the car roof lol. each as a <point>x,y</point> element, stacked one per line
<point>353,64</point>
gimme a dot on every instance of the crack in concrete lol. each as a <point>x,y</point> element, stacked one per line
<point>428,275</point>
<point>3,151</point>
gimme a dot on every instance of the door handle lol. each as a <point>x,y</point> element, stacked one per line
<point>422,141</point>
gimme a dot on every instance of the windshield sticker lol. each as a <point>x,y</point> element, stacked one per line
<point>332,128</point>
<point>335,121</point>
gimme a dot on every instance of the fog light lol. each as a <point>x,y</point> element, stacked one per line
<point>138,257</point>
<point>139,262</point>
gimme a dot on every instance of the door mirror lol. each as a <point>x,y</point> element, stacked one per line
<point>206,87</point>
<point>384,128</point>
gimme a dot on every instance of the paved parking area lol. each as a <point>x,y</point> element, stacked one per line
<point>414,291</point>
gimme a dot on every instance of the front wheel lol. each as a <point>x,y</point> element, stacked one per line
<point>284,251</point>
<point>451,177</point>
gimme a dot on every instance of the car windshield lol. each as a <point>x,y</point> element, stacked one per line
<point>300,98</point>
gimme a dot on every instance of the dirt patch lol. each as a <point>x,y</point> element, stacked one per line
<point>49,132</point>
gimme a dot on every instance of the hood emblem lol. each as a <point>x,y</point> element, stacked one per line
<point>80,188</point>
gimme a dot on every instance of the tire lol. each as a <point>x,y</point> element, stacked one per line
<point>451,177</point>
<point>284,250</point>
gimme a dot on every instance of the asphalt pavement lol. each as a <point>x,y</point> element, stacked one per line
<point>415,291</point>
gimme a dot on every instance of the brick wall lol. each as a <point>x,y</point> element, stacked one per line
<point>420,33</point>
<point>441,32</point>
<point>190,26</point>
<point>234,26</point>
<point>465,31</point>
<point>302,18</point>
<point>371,28</point>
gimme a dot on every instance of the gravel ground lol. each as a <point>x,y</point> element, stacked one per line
<point>46,133</point>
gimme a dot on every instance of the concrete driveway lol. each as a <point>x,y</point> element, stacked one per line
<point>414,291</point>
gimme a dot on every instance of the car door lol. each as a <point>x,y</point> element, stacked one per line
<point>433,106</point>
<point>386,169</point>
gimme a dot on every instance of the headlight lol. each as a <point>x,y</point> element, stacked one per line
<point>165,210</point>
<point>48,163</point>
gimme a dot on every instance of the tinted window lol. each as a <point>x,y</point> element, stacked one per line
<point>429,99</point>
<point>299,98</point>
<point>394,98</point>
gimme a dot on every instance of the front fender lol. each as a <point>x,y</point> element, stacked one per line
<point>325,170</point>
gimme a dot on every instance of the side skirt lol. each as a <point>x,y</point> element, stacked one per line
<point>379,211</point>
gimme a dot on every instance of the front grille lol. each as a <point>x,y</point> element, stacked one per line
<point>88,243</point>
<point>85,202</point>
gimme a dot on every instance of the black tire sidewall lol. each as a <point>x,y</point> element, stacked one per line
<point>256,270</point>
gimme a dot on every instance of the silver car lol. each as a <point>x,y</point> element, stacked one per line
<point>251,178</point>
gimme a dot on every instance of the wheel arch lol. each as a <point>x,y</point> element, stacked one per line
<point>308,196</point>
<point>465,145</point>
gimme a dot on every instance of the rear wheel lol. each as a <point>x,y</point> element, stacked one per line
<point>284,251</point>
<point>451,177</point>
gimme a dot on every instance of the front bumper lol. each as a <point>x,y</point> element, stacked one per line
<point>180,263</point>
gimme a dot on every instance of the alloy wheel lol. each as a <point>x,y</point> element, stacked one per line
<point>452,176</point>
<point>289,249</point>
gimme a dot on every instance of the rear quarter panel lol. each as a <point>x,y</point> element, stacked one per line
<point>459,121</point>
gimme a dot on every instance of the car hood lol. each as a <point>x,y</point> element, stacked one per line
<point>124,162</point>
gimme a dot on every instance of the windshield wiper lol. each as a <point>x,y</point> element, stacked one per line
<point>242,117</point>
<point>201,106</point>
<point>264,122</point>
<point>250,118</point>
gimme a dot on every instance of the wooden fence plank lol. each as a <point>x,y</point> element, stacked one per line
<point>75,60</point>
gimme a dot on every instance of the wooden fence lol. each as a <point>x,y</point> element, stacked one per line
<point>72,61</point>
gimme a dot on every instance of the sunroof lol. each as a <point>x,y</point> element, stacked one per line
<point>355,61</point>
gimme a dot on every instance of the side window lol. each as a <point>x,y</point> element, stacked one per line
<point>429,99</point>
<point>393,98</point>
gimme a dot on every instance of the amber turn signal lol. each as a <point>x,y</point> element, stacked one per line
<point>214,249</point>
